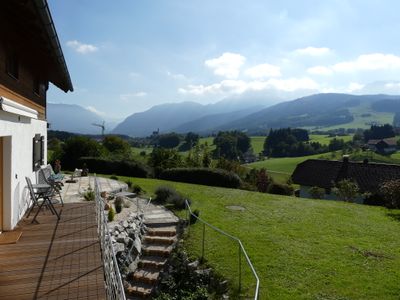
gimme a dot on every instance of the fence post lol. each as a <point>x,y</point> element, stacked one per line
<point>202,248</point>
<point>240,269</point>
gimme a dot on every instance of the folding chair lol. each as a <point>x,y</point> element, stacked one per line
<point>56,185</point>
<point>44,194</point>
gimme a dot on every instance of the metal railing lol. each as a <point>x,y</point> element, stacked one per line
<point>240,252</point>
<point>112,276</point>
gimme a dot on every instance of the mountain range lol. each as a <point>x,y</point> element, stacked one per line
<point>315,111</point>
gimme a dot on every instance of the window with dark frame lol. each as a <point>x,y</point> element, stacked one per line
<point>12,64</point>
<point>38,152</point>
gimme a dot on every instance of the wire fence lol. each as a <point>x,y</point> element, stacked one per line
<point>213,239</point>
<point>112,276</point>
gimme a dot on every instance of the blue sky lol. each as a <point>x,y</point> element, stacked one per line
<point>125,56</point>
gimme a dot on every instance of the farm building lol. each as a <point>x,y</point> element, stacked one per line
<point>384,146</point>
<point>326,173</point>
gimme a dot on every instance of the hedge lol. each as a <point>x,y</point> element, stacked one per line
<point>205,176</point>
<point>119,167</point>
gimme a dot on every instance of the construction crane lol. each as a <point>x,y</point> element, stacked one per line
<point>102,126</point>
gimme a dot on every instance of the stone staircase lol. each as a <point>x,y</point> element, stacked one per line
<point>158,243</point>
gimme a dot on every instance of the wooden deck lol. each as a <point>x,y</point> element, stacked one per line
<point>54,259</point>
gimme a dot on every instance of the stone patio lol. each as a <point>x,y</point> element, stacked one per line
<point>73,192</point>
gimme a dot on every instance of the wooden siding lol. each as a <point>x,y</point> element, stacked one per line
<point>54,259</point>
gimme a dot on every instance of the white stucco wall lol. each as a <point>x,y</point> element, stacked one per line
<point>18,132</point>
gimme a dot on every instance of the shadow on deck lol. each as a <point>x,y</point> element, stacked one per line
<point>54,259</point>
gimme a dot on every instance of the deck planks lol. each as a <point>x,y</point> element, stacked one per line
<point>54,259</point>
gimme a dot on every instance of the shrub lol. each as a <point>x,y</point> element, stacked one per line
<point>391,193</point>
<point>206,176</point>
<point>346,190</point>
<point>193,219</point>
<point>280,189</point>
<point>114,177</point>
<point>316,192</point>
<point>118,203</point>
<point>129,183</point>
<point>89,195</point>
<point>163,193</point>
<point>137,189</point>
<point>177,200</point>
<point>112,166</point>
<point>111,214</point>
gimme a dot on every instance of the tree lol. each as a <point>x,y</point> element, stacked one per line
<point>377,132</point>
<point>316,192</point>
<point>346,190</point>
<point>116,145</point>
<point>191,139</point>
<point>168,140</point>
<point>263,180</point>
<point>77,147</point>
<point>336,144</point>
<point>161,159</point>
<point>391,193</point>
<point>231,144</point>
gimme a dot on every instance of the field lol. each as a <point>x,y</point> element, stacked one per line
<point>325,139</point>
<point>301,249</point>
<point>364,116</point>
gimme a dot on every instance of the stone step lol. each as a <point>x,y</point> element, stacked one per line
<point>149,276</point>
<point>166,240</point>
<point>157,250</point>
<point>162,231</point>
<point>160,222</point>
<point>154,262</point>
<point>140,289</point>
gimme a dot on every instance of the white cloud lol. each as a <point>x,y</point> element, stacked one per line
<point>313,51</point>
<point>81,47</point>
<point>391,85</point>
<point>227,65</point>
<point>369,62</point>
<point>319,70</point>
<point>354,86</point>
<point>127,97</point>
<point>94,110</point>
<point>176,76</point>
<point>263,71</point>
<point>239,86</point>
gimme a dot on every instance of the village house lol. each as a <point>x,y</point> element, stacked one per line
<point>326,173</point>
<point>30,58</point>
<point>383,146</point>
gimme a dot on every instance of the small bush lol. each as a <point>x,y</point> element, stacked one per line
<point>163,193</point>
<point>137,189</point>
<point>142,153</point>
<point>205,176</point>
<point>114,177</point>
<point>118,203</point>
<point>193,219</point>
<point>177,201</point>
<point>111,214</point>
<point>316,192</point>
<point>129,183</point>
<point>280,189</point>
<point>89,195</point>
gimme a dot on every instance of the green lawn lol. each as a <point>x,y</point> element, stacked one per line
<point>257,143</point>
<point>301,249</point>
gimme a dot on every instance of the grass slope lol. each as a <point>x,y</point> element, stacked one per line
<point>301,249</point>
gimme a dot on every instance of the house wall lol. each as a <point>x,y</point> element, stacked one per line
<point>18,132</point>
<point>21,89</point>
<point>304,193</point>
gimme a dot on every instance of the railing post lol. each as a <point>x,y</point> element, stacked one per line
<point>240,269</point>
<point>202,247</point>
